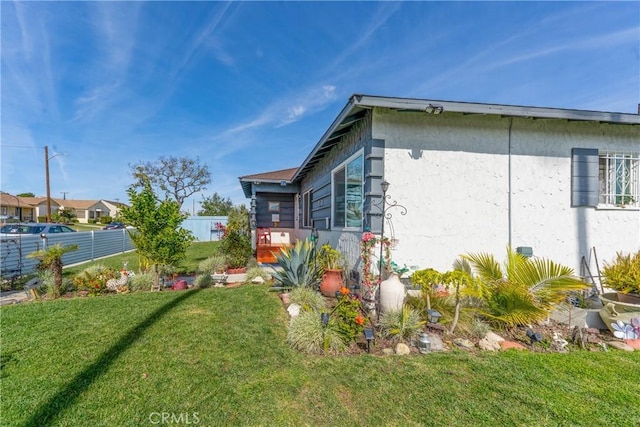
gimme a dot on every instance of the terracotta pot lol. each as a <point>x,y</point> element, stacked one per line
<point>239,270</point>
<point>285,297</point>
<point>179,285</point>
<point>331,282</point>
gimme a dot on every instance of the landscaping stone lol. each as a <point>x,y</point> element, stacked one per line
<point>258,280</point>
<point>488,345</point>
<point>492,336</point>
<point>436,342</point>
<point>633,343</point>
<point>464,343</point>
<point>294,310</point>
<point>402,349</point>
<point>620,345</point>
<point>507,345</point>
<point>387,351</point>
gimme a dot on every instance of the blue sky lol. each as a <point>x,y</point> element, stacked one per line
<point>250,87</point>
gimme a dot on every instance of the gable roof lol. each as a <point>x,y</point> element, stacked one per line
<point>277,177</point>
<point>357,106</point>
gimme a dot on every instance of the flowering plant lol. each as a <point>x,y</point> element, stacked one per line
<point>347,316</point>
<point>369,279</point>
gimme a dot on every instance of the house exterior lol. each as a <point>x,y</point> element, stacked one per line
<point>30,208</point>
<point>472,178</point>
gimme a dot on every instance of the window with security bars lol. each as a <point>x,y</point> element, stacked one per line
<point>619,178</point>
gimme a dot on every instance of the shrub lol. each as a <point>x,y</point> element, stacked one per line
<point>623,274</point>
<point>399,325</point>
<point>214,264</point>
<point>307,334</point>
<point>48,286</point>
<point>202,281</point>
<point>308,299</point>
<point>94,279</point>
<point>479,329</point>
<point>105,219</point>
<point>298,266</point>
<point>141,282</point>
<point>256,271</point>
<point>237,248</point>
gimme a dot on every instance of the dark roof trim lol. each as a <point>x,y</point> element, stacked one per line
<point>356,107</point>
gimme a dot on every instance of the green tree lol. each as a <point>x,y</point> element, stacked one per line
<point>178,177</point>
<point>158,237</point>
<point>51,259</point>
<point>215,205</point>
<point>65,216</point>
<point>239,220</point>
<point>26,195</point>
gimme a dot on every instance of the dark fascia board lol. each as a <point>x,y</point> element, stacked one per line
<point>364,102</point>
<point>498,109</point>
<point>247,184</point>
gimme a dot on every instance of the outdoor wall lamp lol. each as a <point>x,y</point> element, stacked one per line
<point>433,316</point>
<point>368,335</point>
<point>434,109</point>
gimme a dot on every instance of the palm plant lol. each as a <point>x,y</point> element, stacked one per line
<point>51,258</point>
<point>523,290</point>
<point>297,265</point>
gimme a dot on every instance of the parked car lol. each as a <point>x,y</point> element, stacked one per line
<point>35,228</point>
<point>113,226</point>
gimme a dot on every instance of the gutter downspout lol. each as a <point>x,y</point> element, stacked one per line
<point>509,220</point>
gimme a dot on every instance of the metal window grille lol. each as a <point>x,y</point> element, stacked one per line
<point>619,178</point>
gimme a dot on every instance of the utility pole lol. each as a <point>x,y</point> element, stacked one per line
<point>64,195</point>
<point>46,166</point>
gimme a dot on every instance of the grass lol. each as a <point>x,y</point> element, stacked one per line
<point>221,354</point>
<point>197,252</point>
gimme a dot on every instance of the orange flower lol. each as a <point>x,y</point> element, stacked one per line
<point>344,291</point>
<point>360,320</point>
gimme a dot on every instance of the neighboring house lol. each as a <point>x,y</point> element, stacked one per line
<point>14,207</point>
<point>472,177</point>
<point>39,205</point>
<point>30,208</point>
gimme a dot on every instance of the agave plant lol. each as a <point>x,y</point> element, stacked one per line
<point>297,265</point>
<point>524,290</point>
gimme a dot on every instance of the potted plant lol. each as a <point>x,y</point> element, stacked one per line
<point>332,263</point>
<point>623,276</point>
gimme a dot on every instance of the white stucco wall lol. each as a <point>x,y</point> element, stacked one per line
<point>454,173</point>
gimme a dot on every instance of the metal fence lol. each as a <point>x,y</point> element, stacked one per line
<point>206,228</point>
<point>91,245</point>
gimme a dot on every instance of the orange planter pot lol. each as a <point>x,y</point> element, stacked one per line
<point>331,282</point>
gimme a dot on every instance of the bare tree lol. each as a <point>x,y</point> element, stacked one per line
<point>178,177</point>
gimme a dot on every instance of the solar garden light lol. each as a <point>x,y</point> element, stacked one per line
<point>433,316</point>
<point>424,344</point>
<point>324,318</point>
<point>368,335</point>
<point>534,337</point>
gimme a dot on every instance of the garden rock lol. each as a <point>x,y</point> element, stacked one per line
<point>464,343</point>
<point>492,336</point>
<point>620,345</point>
<point>402,349</point>
<point>507,345</point>
<point>294,310</point>
<point>488,345</point>
<point>633,343</point>
<point>436,342</point>
<point>387,351</point>
<point>258,280</point>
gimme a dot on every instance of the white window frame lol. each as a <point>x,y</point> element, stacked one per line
<point>618,179</point>
<point>343,166</point>
<point>307,214</point>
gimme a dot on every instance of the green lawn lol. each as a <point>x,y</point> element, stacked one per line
<point>123,360</point>
<point>197,252</point>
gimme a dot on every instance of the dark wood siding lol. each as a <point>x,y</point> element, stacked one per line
<point>286,212</point>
